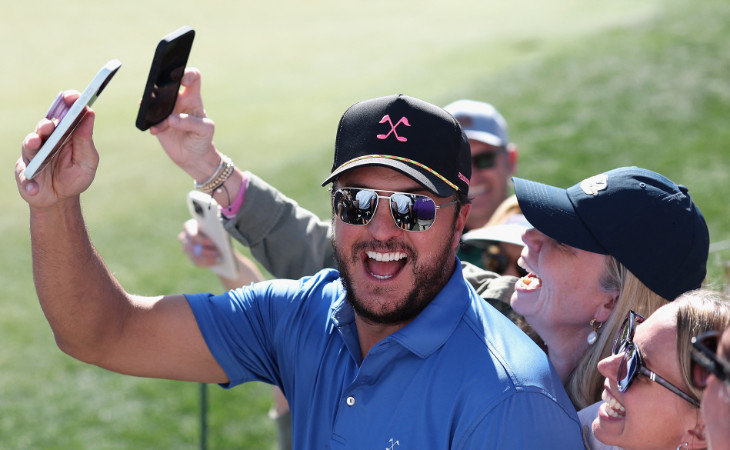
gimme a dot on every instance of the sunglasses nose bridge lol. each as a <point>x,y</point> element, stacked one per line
<point>382,225</point>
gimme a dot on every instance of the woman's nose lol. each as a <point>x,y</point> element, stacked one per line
<point>533,238</point>
<point>608,366</point>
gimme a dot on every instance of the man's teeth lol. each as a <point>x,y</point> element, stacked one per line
<point>386,257</point>
<point>615,409</point>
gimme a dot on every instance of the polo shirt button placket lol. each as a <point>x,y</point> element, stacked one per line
<point>350,401</point>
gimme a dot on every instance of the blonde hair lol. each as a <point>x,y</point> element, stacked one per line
<point>584,384</point>
<point>699,311</point>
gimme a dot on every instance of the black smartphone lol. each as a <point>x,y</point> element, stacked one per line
<point>163,82</point>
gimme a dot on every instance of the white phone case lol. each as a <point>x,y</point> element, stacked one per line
<point>71,119</point>
<point>205,211</point>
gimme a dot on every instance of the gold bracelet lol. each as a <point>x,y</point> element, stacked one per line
<point>222,173</point>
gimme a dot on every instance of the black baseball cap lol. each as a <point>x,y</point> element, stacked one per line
<point>416,138</point>
<point>641,218</point>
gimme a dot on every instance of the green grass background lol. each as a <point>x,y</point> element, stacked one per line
<point>586,86</point>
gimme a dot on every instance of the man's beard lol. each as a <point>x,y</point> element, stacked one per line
<point>429,279</point>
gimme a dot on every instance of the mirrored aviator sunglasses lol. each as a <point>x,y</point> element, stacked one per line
<point>705,360</point>
<point>411,212</point>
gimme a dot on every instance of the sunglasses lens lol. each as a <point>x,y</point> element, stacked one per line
<point>622,337</point>
<point>628,368</point>
<point>355,206</point>
<point>413,212</point>
<point>494,260</point>
<point>484,160</point>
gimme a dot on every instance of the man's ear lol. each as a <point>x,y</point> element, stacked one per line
<point>512,154</point>
<point>460,223</point>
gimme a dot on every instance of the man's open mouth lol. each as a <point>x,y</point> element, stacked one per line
<point>385,265</point>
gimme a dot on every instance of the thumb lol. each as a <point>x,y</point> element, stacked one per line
<point>191,123</point>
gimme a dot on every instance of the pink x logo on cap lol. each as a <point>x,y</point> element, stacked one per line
<point>403,120</point>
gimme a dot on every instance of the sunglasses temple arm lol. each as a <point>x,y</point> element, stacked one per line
<point>703,355</point>
<point>658,379</point>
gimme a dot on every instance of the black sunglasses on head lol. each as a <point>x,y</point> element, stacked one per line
<point>411,212</point>
<point>705,360</point>
<point>633,364</point>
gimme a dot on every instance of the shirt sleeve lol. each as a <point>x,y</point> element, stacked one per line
<point>288,240</point>
<point>525,420</point>
<point>255,332</point>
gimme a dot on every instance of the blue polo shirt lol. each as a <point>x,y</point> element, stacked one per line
<point>460,375</point>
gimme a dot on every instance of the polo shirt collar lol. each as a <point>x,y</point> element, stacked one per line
<point>433,326</point>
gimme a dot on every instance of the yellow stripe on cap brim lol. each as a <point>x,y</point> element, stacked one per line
<point>402,159</point>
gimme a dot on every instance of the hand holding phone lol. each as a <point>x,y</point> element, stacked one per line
<point>67,118</point>
<point>206,212</point>
<point>165,76</point>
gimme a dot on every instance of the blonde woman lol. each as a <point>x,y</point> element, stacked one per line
<point>649,400</point>
<point>711,374</point>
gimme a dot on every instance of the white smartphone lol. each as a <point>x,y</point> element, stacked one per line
<point>68,118</point>
<point>205,211</point>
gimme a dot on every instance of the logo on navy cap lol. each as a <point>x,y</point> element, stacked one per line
<point>596,183</point>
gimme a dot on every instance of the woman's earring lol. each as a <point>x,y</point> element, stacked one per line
<point>593,335</point>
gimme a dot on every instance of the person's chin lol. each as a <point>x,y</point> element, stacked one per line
<point>608,427</point>
<point>525,298</point>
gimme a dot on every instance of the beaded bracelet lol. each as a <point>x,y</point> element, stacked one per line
<point>225,169</point>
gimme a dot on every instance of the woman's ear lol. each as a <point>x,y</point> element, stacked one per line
<point>606,309</point>
<point>695,437</point>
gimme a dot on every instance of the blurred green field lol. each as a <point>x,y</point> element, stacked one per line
<point>585,87</point>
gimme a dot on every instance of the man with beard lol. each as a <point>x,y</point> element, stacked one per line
<point>396,350</point>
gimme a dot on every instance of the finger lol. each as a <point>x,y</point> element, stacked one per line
<point>190,100</point>
<point>191,80</point>
<point>203,240</point>
<point>206,255</point>
<point>82,152</point>
<point>25,186</point>
<point>34,141</point>
<point>160,127</point>
<point>44,128</point>
<point>201,126</point>
<point>85,130</point>
<point>202,256</point>
<point>70,96</point>
<point>182,237</point>
<point>190,227</point>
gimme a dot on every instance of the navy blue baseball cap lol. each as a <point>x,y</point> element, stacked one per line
<point>641,218</point>
<point>414,137</point>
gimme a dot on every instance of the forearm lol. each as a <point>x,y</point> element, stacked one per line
<point>81,300</point>
<point>288,240</point>
<point>247,273</point>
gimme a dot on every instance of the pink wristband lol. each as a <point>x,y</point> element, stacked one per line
<point>233,208</point>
